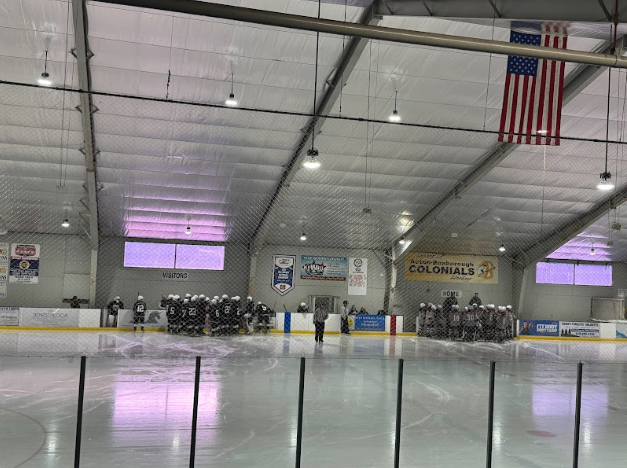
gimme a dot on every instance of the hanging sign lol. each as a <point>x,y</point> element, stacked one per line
<point>283,273</point>
<point>24,267</point>
<point>323,268</point>
<point>357,276</point>
<point>451,268</point>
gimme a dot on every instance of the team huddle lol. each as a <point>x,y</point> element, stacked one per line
<point>475,322</point>
<point>191,315</point>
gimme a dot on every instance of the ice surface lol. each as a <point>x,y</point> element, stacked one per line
<point>138,405</point>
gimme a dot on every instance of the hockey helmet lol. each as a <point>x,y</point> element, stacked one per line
<point>225,296</point>
<point>214,301</point>
<point>176,297</point>
<point>170,296</point>
<point>422,304</point>
<point>117,298</point>
<point>185,301</point>
<point>509,307</point>
<point>249,298</point>
<point>140,298</point>
<point>302,304</point>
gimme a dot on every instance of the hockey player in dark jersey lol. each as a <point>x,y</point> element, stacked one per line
<point>237,315</point>
<point>177,315</point>
<point>430,320</point>
<point>249,315</point>
<point>263,314</point>
<point>169,313</point>
<point>139,313</point>
<point>420,319</point>
<point>456,322</point>
<point>225,315</point>
<point>114,308</point>
<point>192,317</point>
<point>470,317</point>
<point>214,317</point>
<point>184,320</point>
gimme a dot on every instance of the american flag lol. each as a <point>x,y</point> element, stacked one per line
<point>532,103</point>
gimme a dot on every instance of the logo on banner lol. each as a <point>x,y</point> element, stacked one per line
<point>430,267</point>
<point>4,254</point>
<point>486,270</point>
<point>283,273</point>
<point>24,266</point>
<point>358,277</point>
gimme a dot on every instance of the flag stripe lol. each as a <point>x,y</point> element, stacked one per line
<point>560,95</point>
<point>512,119</point>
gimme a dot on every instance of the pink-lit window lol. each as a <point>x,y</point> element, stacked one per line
<point>593,275</point>
<point>148,255</point>
<point>571,274</point>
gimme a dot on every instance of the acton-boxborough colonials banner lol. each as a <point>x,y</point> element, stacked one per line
<point>451,268</point>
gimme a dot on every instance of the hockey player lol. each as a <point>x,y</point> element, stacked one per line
<point>249,315</point>
<point>214,317</point>
<point>447,307</point>
<point>192,316</point>
<point>113,308</point>
<point>500,324</point>
<point>429,320</point>
<point>184,321</point>
<point>302,308</point>
<point>236,312</point>
<point>511,322</point>
<point>470,322</point>
<point>225,315</point>
<point>456,322</point>
<point>263,314</point>
<point>169,313</point>
<point>139,313</point>
<point>344,319</point>
<point>440,322</point>
<point>490,323</point>
<point>422,314</point>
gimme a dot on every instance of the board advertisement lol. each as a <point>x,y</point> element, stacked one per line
<point>451,268</point>
<point>538,328</point>
<point>49,317</point>
<point>24,267</point>
<point>9,317</point>
<point>357,276</point>
<point>371,323</point>
<point>153,319</point>
<point>283,273</point>
<point>4,254</point>
<point>323,268</point>
<point>4,274</point>
<point>621,330</point>
<point>580,329</point>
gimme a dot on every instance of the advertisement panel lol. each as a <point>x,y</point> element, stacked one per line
<point>9,316</point>
<point>323,268</point>
<point>621,330</point>
<point>538,328</point>
<point>3,290</point>
<point>580,329</point>
<point>49,317</point>
<point>357,276</point>
<point>372,323</point>
<point>24,268</point>
<point>283,273</point>
<point>4,273</point>
<point>451,268</point>
<point>4,254</point>
<point>153,319</point>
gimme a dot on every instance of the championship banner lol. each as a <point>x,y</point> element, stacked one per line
<point>580,329</point>
<point>4,254</point>
<point>323,268</point>
<point>283,273</point>
<point>372,323</point>
<point>24,267</point>
<point>4,274</point>
<point>451,268</point>
<point>357,276</point>
<point>538,328</point>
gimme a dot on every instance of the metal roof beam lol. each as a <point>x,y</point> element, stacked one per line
<point>345,67</point>
<point>83,54</point>
<point>584,76</point>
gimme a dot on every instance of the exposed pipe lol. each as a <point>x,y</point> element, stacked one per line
<point>284,20</point>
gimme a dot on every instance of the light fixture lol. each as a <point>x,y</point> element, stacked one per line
<point>606,181</point>
<point>303,237</point>
<point>502,248</point>
<point>44,79</point>
<point>312,161</point>
<point>188,231</point>
<point>401,240</point>
<point>592,252</point>
<point>395,116</point>
<point>231,101</point>
<point>606,176</point>
<point>65,223</point>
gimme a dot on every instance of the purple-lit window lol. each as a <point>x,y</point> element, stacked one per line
<point>199,257</point>
<point>555,273</point>
<point>593,275</point>
<point>148,255</point>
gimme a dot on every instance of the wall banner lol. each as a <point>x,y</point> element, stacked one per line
<point>357,276</point>
<point>4,254</point>
<point>580,329</point>
<point>538,328</point>
<point>49,317</point>
<point>24,267</point>
<point>9,316</point>
<point>4,274</point>
<point>283,273</point>
<point>372,323</point>
<point>323,268</point>
<point>3,290</point>
<point>451,268</point>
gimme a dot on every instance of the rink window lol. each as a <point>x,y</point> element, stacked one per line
<point>177,256</point>
<point>572,274</point>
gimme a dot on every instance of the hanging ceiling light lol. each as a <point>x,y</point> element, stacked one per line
<point>502,248</point>
<point>395,116</point>
<point>592,252</point>
<point>312,161</point>
<point>401,240</point>
<point>303,237</point>
<point>188,231</point>
<point>44,79</point>
<point>606,176</point>
<point>231,101</point>
<point>66,223</point>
